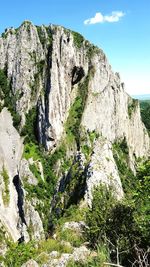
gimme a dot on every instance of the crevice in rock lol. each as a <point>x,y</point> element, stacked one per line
<point>60,46</point>
<point>17,184</point>
<point>44,119</point>
<point>21,240</point>
<point>70,191</point>
<point>48,81</point>
<point>77,74</point>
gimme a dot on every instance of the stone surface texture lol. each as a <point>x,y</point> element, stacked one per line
<point>45,66</point>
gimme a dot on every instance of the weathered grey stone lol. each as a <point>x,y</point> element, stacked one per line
<point>61,262</point>
<point>102,169</point>
<point>76,226</point>
<point>22,52</point>
<point>54,254</point>
<point>11,148</point>
<point>107,111</point>
<point>25,173</point>
<point>79,255</point>
<point>30,263</point>
<point>33,221</point>
<point>46,76</point>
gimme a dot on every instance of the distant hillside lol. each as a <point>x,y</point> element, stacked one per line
<point>142,97</point>
<point>145,112</point>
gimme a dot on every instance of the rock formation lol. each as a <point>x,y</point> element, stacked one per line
<point>77,97</point>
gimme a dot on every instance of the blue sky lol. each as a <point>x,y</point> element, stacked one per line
<point>126,41</point>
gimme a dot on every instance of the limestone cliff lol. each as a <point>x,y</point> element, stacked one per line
<point>80,106</point>
<point>16,212</point>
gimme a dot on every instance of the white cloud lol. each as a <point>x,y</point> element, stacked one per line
<point>99,18</point>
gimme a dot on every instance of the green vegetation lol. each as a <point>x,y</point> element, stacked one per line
<point>42,35</point>
<point>72,236</point>
<point>75,181</point>
<point>145,113</point>
<point>96,261</point>
<point>78,39</point>
<point>37,76</point>
<point>29,130</point>
<point>135,186</point>
<point>132,106</point>
<point>91,49</point>
<point>4,34</point>
<point>72,126</point>
<point>121,226</point>
<point>121,156</point>
<point>5,192</point>
<point>73,213</point>
<point>45,189</point>
<point>7,31</point>
<point>2,234</point>
<point>54,245</point>
<point>19,254</point>
<point>141,196</point>
<point>4,237</point>
<point>86,142</point>
<point>76,214</point>
<point>8,99</point>
<point>93,136</point>
<point>34,169</point>
<point>97,216</point>
<point>74,184</point>
<point>31,150</point>
<point>27,24</point>
<point>40,66</point>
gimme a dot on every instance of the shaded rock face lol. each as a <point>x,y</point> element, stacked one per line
<point>11,148</point>
<point>47,68</point>
<point>12,199</point>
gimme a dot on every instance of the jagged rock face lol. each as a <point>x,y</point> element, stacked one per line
<point>26,174</point>
<point>43,73</point>
<point>102,169</point>
<point>14,217</point>
<point>11,149</point>
<point>112,113</point>
<point>47,67</point>
<point>64,58</point>
<point>20,52</point>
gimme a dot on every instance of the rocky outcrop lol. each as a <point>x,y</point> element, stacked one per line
<point>114,114</point>
<point>60,75</point>
<point>75,226</point>
<point>25,173</point>
<point>34,222</point>
<point>43,73</point>
<point>15,214</point>
<point>45,65</point>
<point>11,148</point>
<point>30,263</point>
<point>79,255</point>
<point>102,169</point>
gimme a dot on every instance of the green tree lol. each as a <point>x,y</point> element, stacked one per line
<point>145,113</point>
